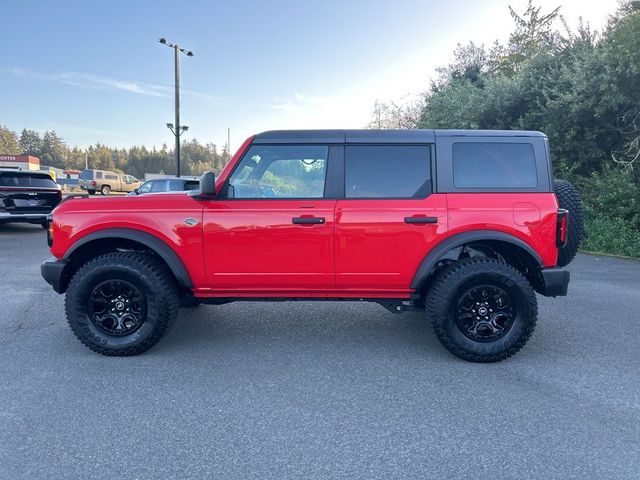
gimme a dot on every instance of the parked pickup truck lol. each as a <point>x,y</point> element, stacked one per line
<point>105,182</point>
<point>464,225</point>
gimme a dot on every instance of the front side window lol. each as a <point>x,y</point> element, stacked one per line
<point>145,187</point>
<point>494,165</point>
<point>159,186</point>
<point>280,171</point>
<point>387,171</point>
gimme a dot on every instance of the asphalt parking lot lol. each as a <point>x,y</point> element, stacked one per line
<point>319,390</point>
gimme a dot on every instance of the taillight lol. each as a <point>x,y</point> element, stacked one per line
<point>93,182</point>
<point>562,227</point>
<point>49,230</point>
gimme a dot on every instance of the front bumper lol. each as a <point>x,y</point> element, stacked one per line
<point>555,282</point>
<point>53,271</point>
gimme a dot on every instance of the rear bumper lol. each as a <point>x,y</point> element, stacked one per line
<point>52,271</point>
<point>23,217</point>
<point>555,282</point>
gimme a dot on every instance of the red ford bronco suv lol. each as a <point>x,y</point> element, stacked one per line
<point>466,225</point>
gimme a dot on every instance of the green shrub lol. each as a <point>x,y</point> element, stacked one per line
<point>613,235</point>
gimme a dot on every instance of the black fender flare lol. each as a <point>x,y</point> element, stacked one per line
<point>429,262</point>
<point>164,251</point>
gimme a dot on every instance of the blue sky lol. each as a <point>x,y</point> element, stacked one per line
<point>94,72</point>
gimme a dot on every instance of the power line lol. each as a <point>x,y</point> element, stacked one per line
<point>82,70</point>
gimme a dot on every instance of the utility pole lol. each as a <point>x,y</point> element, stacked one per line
<point>176,128</point>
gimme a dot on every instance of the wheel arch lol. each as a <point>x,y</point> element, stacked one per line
<point>501,242</point>
<point>111,239</point>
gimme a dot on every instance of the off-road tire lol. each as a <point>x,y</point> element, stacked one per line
<point>105,190</point>
<point>451,284</point>
<point>155,282</point>
<point>569,199</point>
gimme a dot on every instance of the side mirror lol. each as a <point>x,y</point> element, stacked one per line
<point>208,184</point>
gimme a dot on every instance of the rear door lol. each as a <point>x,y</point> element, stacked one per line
<point>389,218</point>
<point>28,192</point>
<point>271,230</point>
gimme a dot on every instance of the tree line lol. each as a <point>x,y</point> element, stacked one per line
<point>53,151</point>
<point>581,88</point>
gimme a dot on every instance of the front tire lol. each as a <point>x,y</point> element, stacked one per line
<point>121,303</point>
<point>481,309</point>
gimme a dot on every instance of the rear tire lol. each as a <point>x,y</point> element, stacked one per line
<point>91,192</point>
<point>569,199</point>
<point>105,190</point>
<point>121,303</point>
<point>478,327</point>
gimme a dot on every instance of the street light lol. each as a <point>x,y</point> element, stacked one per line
<point>177,130</point>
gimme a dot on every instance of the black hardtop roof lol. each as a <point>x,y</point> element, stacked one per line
<point>380,136</point>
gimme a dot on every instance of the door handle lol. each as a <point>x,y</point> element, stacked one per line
<point>420,219</point>
<point>307,220</point>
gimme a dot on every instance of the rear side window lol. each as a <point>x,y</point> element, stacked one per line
<point>110,176</point>
<point>193,185</point>
<point>178,185</point>
<point>494,165</point>
<point>37,181</point>
<point>387,171</point>
<point>98,174</point>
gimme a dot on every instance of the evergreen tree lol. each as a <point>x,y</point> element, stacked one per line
<point>9,144</point>
<point>30,143</point>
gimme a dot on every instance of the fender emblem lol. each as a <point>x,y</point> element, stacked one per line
<point>190,221</point>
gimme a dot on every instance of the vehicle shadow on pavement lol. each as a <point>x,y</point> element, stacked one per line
<point>20,229</point>
<point>326,327</point>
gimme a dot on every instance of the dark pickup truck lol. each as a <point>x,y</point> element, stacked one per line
<point>27,196</point>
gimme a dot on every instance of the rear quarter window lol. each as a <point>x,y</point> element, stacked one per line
<point>35,181</point>
<point>494,165</point>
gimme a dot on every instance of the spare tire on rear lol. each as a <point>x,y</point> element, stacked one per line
<point>569,199</point>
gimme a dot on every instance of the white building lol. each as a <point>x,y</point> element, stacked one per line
<point>22,162</point>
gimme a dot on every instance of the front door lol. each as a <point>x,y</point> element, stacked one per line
<point>388,220</point>
<point>271,231</point>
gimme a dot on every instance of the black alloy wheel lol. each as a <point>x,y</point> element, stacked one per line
<point>116,307</point>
